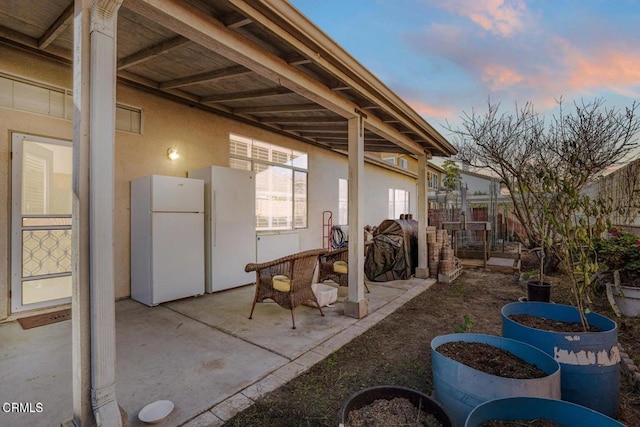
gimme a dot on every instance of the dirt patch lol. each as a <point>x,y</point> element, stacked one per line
<point>490,359</point>
<point>397,351</point>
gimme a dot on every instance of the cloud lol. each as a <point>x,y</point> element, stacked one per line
<point>605,68</point>
<point>463,65</point>
<point>433,111</point>
<point>498,76</point>
<point>501,17</point>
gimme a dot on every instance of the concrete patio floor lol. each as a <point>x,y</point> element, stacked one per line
<point>202,353</point>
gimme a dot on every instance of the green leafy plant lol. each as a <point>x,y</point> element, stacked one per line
<point>619,251</point>
<point>577,220</point>
<point>466,326</point>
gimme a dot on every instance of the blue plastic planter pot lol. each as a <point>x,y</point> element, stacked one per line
<point>460,388</point>
<point>369,395</point>
<point>526,408</point>
<point>589,360</point>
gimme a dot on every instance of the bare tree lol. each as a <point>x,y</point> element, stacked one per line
<point>522,149</point>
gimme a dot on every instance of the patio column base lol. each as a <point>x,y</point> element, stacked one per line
<point>123,415</point>
<point>422,273</point>
<point>356,309</point>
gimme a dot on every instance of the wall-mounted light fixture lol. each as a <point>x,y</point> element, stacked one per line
<point>172,154</point>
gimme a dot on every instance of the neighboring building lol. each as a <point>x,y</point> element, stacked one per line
<point>409,163</point>
<point>481,198</point>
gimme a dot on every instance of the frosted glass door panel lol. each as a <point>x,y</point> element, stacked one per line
<point>41,224</point>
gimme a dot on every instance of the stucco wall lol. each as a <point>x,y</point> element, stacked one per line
<point>325,169</point>
<point>477,184</point>
<point>201,139</point>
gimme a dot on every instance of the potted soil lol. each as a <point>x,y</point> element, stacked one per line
<point>535,411</point>
<point>589,360</point>
<point>495,367</point>
<point>392,405</point>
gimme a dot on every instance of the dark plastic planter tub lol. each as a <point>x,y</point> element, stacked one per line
<point>369,395</point>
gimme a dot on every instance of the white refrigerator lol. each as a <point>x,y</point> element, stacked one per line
<point>230,226</point>
<point>167,238</point>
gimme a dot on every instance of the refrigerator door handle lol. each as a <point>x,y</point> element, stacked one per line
<point>213,217</point>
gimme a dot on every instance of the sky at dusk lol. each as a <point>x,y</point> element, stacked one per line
<point>445,57</point>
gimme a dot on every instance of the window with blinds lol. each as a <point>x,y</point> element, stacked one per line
<point>25,95</point>
<point>281,181</point>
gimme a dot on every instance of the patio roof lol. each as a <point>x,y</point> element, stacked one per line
<point>258,62</point>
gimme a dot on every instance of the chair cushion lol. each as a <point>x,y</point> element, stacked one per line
<point>340,267</point>
<point>281,283</point>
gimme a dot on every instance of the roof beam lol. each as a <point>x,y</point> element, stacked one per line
<point>303,120</point>
<point>56,28</point>
<point>200,27</point>
<point>330,135</point>
<point>291,108</point>
<point>368,146</point>
<point>235,20</point>
<point>32,43</point>
<point>335,127</point>
<point>296,59</point>
<point>209,76</point>
<point>241,96</point>
<point>129,77</point>
<point>152,51</point>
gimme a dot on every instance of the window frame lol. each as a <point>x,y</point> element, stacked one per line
<point>430,178</point>
<point>391,160</point>
<point>393,202</point>
<point>343,201</point>
<point>268,148</point>
<point>60,103</point>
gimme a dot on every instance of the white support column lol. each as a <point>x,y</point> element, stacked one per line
<point>93,301</point>
<point>80,302</point>
<point>422,270</point>
<point>356,305</point>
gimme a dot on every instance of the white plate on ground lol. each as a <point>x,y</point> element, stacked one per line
<point>155,411</point>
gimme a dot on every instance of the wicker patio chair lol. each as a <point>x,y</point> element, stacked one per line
<point>286,280</point>
<point>334,266</point>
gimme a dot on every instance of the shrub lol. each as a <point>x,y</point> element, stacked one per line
<point>619,251</point>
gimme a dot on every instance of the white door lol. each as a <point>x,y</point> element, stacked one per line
<point>177,256</point>
<point>176,194</point>
<point>233,217</point>
<point>41,222</point>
